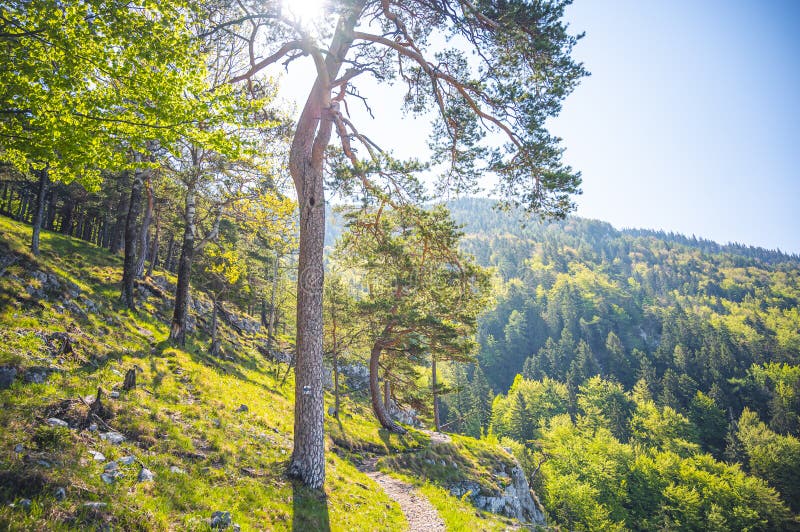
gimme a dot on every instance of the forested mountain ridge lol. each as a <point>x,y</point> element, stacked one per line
<point>639,351</point>
<point>654,291</point>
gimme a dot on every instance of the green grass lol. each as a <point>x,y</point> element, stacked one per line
<point>182,414</point>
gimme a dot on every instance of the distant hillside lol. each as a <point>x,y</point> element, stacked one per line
<point>620,358</point>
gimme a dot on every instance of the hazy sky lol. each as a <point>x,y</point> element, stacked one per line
<point>690,121</point>
<point>691,118</point>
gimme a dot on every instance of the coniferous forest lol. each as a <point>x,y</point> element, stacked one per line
<point>228,307</point>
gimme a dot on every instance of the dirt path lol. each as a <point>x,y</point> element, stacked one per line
<point>419,512</point>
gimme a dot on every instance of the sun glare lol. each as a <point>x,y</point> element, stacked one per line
<point>304,11</point>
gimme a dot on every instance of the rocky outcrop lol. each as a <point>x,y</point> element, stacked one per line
<point>515,500</point>
<point>404,415</point>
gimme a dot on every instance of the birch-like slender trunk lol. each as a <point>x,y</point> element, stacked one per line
<point>148,216</point>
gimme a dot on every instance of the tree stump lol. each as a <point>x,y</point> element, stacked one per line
<point>97,409</point>
<point>130,380</point>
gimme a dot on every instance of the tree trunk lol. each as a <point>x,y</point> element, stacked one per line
<point>214,340</point>
<point>22,210</point>
<point>306,160</point>
<point>170,253</point>
<point>130,380</point>
<point>52,201</point>
<point>154,246</point>
<point>66,217</point>
<point>271,323</point>
<point>335,356</point>
<point>435,390</point>
<point>118,230</point>
<point>44,183</point>
<point>3,198</point>
<point>129,263</point>
<point>148,215</point>
<point>177,331</point>
<point>378,405</point>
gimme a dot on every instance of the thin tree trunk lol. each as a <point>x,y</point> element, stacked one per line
<point>118,232</point>
<point>4,197</point>
<point>148,216</point>
<point>379,405</point>
<point>335,356</point>
<point>435,390</point>
<point>105,233</point>
<point>170,253</point>
<point>214,340</point>
<point>129,263</point>
<point>271,323</point>
<point>23,206</point>
<point>52,201</point>
<point>154,245</point>
<point>177,331</point>
<point>22,211</point>
<point>44,183</point>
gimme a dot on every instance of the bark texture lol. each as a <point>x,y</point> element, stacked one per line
<point>379,406</point>
<point>306,160</point>
<point>177,331</point>
<point>148,216</point>
<point>129,263</point>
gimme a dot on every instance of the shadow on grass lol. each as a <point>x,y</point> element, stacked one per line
<point>309,509</point>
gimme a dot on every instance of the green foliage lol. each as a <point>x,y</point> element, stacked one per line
<point>773,457</point>
<point>84,82</point>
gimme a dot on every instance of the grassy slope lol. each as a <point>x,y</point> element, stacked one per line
<point>183,414</point>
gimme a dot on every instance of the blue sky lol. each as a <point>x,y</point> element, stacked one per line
<point>690,121</point>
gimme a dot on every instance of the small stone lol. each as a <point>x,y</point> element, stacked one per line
<point>115,438</point>
<point>55,422</point>
<point>44,463</point>
<point>145,475</point>
<point>18,448</point>
<point>177,470</point>
<point>111,477</point>
<point>93,427</point>
<point>216,422</point>
<point>236,528</point>
<point>111,466</point>
<point>331,411</point>
<point>60,494</point>
<point>7,375</point>
<point>127,460</point>
<point>221,520</point>
<point>114,395</point>
<point>25,504</point>
<point>116,372</point>
<point>94,505</point>
<point>98,456</point>
<point>242,408</point>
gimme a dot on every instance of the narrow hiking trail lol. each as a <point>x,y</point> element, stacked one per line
<point>420,514</point>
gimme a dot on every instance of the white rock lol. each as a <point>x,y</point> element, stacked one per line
<point>112,437</point>
<point>55,422</point>
<point>145,475</point>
